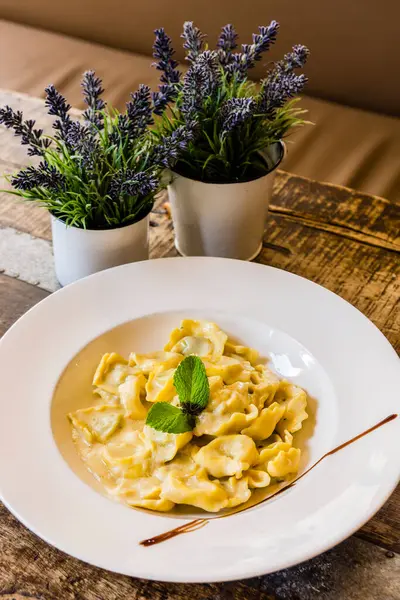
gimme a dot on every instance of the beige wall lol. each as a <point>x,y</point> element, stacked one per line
<point>355,43</point>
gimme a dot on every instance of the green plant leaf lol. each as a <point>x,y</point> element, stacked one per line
<point>191,383</point>
<point>162,416</point>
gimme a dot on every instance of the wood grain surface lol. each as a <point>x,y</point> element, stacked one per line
<point>344,240</point>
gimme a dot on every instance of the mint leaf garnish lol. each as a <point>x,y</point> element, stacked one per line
<point>191,383</point>
<point>163,416</point>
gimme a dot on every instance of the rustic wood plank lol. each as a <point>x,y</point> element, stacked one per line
<point>366,276</point>
<point>30,568</point>
<point>367,219</point>
<point>383,528</point>
<point>23,216</point>
<point>16,297</point>
<point>346,241</point>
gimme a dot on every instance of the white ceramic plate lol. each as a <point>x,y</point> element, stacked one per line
<point>310,335</point>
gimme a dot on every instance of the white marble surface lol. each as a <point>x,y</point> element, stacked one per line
<point>37,268</point>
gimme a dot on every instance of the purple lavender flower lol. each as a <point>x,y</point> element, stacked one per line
<point>282,83</point>
<point>277,89</point>
<point>129,183</point>
<point>201,81</point>
<point>139,111</point>
<point>261,43</point>
<point>138,116</point>
<point>235,112</point>
<point>58,107</point>
<point>228,38</point>
<point>77,133</point>
<point>82,142</point>
<point>171,147</point>
<point>251,53</point>
<point>163,52</point>
<point>236,67</point>
<point>75,136</point>
<point>121,131</point>
<point>161,99</point>
<point>25,129</point>
<point>208,64</point>
<point>295,59</point>
<point>194,40</point>
<point>56,103</point>
<point>227,42</point>
<point>44,176</point>
<point>139,184</point>
<point>92,90</point>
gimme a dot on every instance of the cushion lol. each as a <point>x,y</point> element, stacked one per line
<point>345,146</point>
<point>349,147</point>
<point>36,58</point>
<point>354,43</point>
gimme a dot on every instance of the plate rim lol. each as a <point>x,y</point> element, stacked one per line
<point>319,548</point>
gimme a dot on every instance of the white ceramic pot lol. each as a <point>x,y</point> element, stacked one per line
<point>81,252</point>
<point>225,219</point>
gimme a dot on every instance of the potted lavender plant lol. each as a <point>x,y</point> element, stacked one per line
<point>221,184</point>
<point>97,178</point>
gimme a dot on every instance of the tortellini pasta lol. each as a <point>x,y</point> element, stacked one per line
<point>198,337</point>
<point>241,441</point>
<point>97,423</point>
<point>227,455</point>
<point>160,386</point>
<point>130,392</point>
<point>266,421</point>
<point>196,490</point>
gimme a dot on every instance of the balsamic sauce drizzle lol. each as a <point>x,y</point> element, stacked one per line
<point>191,526</point>
<point>199,523</point>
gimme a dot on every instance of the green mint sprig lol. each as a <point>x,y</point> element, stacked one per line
<point>191,384</point>
<point>168,418</point>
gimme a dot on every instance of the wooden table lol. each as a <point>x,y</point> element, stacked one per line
<point>344,240</point>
